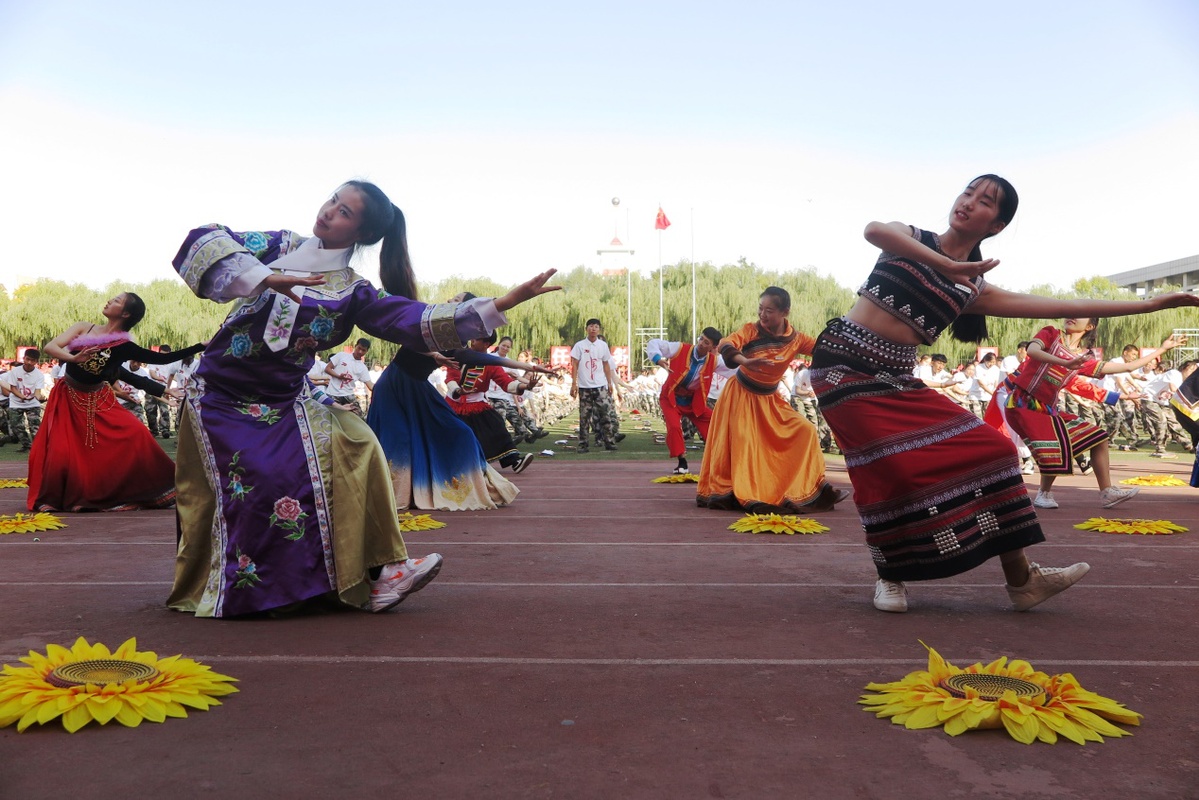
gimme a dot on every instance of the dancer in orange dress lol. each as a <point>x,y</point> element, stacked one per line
<point>762,455</point>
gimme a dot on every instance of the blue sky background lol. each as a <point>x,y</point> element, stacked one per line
<point>504,131</point>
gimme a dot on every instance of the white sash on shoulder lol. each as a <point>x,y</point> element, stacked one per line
<point>307,259</point>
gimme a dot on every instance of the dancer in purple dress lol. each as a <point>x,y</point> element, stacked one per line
<point>281,498</point>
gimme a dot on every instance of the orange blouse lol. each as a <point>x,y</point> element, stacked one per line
<point>754,341</point>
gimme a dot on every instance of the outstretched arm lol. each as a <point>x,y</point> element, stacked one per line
<point>1171,342</point>
<point>534,287</point>
<point>996,302</point>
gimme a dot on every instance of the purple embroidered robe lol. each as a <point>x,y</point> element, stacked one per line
<point>261,525</point>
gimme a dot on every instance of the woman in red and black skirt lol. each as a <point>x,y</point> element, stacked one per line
<point>938,491</point>
<point>90,453</point>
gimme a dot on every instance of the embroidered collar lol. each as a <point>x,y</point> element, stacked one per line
<point>786,336</point>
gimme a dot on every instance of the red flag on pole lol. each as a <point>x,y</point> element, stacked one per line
<point>661,223</point>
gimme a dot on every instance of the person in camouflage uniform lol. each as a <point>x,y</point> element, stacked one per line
<point>506,405</point>
<point>593,383</point>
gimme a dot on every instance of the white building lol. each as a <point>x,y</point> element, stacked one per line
<point>1182,272</point>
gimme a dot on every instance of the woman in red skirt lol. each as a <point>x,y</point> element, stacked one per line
<point>90,453</point>
<point>1056,357</point>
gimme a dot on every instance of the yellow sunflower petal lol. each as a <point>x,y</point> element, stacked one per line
<point>1045,733</point>
<point>103,708</point>
<point>128,717</point>
<point>957,725</point>
<point>76,718</point>
<point>923,717</point>
<point>1022,727</point>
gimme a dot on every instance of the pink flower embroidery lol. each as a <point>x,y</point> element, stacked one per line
<point>287,509</point>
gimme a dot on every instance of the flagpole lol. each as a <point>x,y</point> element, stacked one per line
<point>694,333</point>
<point>661,223</point>
<point>629,279</point>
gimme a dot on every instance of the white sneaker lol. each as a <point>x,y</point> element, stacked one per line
<point>397,581</point>
<point>1044,582</point>
<point>1028,466</point>
<point>1113,496</point>
<point>890,596</point>
<point>1044,500</point>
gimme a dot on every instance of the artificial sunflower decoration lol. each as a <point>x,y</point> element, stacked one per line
<point>776,523</point>
<point>1145,526</point>
<point>685,477</point>
<point>88,683</point>
<point>1031,706</point>
<point>1154,480</point>
<point>30,523</point>
<point>14,483</point>
<point>419,522</point>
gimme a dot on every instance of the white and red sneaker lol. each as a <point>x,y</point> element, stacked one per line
<point>397,581</point>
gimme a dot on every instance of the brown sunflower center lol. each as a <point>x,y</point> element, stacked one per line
<point>99,671</point>
<point>990,687</point>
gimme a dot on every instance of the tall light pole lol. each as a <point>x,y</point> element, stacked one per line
<point>617,247</point>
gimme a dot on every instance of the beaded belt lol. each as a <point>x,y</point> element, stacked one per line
<point>91,403</point>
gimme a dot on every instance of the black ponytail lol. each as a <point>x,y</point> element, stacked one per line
<point>970,327</point>
<point>382,220</point>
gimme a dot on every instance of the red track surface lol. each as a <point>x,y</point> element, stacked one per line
<point>606,638</point>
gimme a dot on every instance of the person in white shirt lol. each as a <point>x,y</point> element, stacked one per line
<point>989,376</point>
<point>966,390</point>
<point>1012,363</point>
<point>510,406</point>
<point>25,387</point>
<point>803,393</point>
<point>437,379</point>
<point>1120,418</point>
<point>592,381</point>
<point>346,368</point>
<point>5,436</point>
<point>718,382</point>
<point>182,378</point>
<point>923,369</point>
<point>158,409</point>
<point>1156,402</point>
<point>129,396</point>
<point>939,378</point>
<point>317,374</point>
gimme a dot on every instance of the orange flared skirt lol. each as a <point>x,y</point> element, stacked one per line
<point>761,455</point>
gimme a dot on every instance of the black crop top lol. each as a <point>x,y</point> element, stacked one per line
<point>916,294</point>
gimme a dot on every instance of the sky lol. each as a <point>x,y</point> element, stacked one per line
<point>769,131</point>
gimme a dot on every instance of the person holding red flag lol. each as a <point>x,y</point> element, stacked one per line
<point>661,223</point>
<point>691,368</point>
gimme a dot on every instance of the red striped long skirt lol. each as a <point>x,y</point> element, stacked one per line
<point>938,491</point>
